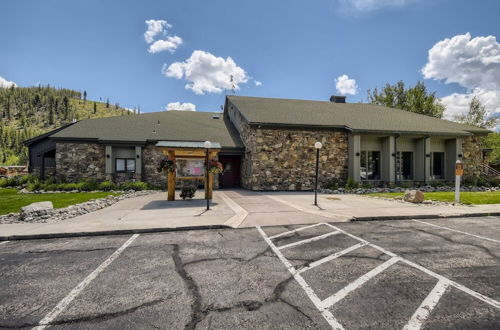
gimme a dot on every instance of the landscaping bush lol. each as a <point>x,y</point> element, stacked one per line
<point>351,184</point>
<point>89,185</point>
<point>137,186</point>
<point>333,184</point>
<point>106,186</point>
<point>17,181</point>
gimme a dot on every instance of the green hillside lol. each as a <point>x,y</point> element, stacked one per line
<point>26,112</point>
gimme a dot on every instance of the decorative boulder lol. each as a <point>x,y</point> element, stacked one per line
<point>36,209</point>
<point>414,196</point>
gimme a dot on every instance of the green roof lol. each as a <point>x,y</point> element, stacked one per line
<point>194,126</point>
<point>358,117</point>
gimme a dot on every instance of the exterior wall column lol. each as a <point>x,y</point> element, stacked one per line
<point>388,159</point>
<point>354,153</point>
<point>109,163</point>
<point>422,159</point>
<point>427,162</point>
<point>138,163</point>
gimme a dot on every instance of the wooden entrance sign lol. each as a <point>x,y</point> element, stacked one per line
<point>189,150</point>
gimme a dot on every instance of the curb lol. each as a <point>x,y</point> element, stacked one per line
<point>425,216</point>
<point>109,232</point>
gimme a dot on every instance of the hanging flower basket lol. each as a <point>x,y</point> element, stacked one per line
<point>166,165</point>
<point>215,167</point>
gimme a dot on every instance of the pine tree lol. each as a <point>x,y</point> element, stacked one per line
<point>95,108</point>
<point>107,102</point>
<point>84,97</point>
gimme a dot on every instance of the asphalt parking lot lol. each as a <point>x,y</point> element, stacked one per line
<point>432,274</point>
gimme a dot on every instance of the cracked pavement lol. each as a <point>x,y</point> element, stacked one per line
<point>231,279</point>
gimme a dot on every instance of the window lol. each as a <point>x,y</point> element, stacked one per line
<point>125,165</point>
<point>437,165</point>
<point>404,165</point>
<point>370,165</point>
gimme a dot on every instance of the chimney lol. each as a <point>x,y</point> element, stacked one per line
<point>337,99</point>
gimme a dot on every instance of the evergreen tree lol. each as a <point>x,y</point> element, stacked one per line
<point>84,97</point>
<point>107,102</point>
<point>95,108</point>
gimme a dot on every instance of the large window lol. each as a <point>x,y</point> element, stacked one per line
<point>437,165</point>
<point>370,165</point>
<point>404,165</point>
<point>125,165</point>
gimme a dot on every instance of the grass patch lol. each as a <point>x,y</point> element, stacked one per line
<point>11,201</point>
<point>480,197</point>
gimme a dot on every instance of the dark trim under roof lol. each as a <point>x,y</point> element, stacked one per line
<point>29,142</point>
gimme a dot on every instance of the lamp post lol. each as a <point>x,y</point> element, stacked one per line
<point>317,146</point>
<point>207,145</point>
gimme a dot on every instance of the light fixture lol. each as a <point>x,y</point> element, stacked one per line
<point>318,145</point>
<point>207,144</point>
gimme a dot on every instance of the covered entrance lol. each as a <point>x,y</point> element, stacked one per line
<point>188,162</point>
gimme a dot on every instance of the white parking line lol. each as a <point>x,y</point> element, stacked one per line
<point>79,288</point>
<point>309,240</point>
<point>335,298</point>
<point>327,315</point>
<point>426,307</point>
<point>296,230</point>
<point>459,231</point>
<point>4,242</point>
<point>331,257</point>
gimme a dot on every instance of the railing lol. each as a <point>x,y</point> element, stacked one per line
<point>489,171</point>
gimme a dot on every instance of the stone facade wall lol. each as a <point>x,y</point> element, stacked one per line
<point>285,159</point>
<point>472,156</point>
<point>80,161</point>
<point>151,157</point>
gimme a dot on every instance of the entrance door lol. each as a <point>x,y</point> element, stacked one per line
<point>231,175</point>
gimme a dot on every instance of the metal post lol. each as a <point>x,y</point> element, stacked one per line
<point>316,184</point>
<point>458,174</point>
<point>206,180</point>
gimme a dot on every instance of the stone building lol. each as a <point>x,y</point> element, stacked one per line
<point>267,144</point>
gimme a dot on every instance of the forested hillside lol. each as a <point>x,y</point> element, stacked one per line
<point>26,112</point>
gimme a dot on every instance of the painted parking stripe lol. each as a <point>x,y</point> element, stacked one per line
<point>79,288</point>
<point>309,240</point>
<point>473,293</point>
<point>296,230</point>
<point>342,293</point>
<point>426,307</point>
<point>327,315</point>
<point>331,257</point>
<point>459,231</point>
<point>4,242</point>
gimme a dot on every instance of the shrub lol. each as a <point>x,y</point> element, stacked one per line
<point>106,186</point>
<point>367,185</point>
<point>33,186</point>
<point>137,185</point>
<point>3,182</point>
<point>89,185</point>
<point>333,184</point>
<point>351,184</point>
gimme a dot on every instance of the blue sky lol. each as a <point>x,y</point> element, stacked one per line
<point>295,49</point>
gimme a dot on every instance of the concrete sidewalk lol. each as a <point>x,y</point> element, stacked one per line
<point>235,209</point>
<point>352,207</point>
<point>140,214</point>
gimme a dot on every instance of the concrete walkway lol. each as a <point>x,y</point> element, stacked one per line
<point>236,209</point>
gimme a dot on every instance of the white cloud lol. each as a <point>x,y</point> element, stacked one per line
<point>257,83</point>
<point>473,63</point>
<point>181,106</point>
<point>170,44</point>
<point>370,5</point>
<point>161,27</point>
<point>155,27</point>
<point>345,85</point>
<point>4,83</point>
<point>207,73</point>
